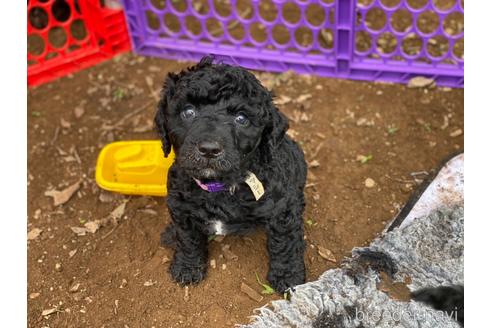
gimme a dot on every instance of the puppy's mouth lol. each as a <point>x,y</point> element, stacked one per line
<point>203,168</point>
<point>206,173</point>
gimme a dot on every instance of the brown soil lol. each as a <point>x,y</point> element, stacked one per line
<point>405,131</point>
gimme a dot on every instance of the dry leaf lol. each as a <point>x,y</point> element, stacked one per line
<point>104,102</point>
<point>118,211</point>
<point>456,133</point>
<point>61,197</point>
<point>154,69</point>
<point>79,231</point>
<point>106,197</point>
<point>445,123</point>
<point>303,97</point>
<point>34,233</point>
<point>92,226</point>
<point>251,292</point>
<point>369,183</point>
<point>292,133</point>
<point>49,311</point>
<point>326,254</point>
<point>72,253</point>
<point>297,116</point>
<point>149,80</point>
<point>282,100</point>
<point>149,211</point>
<point>305,117</point>
<point>395,289</point>
<point>218,238</point>
<point>314,163</point>
<point>69,159</point>
<point>311,176</point>
<point>78,112</point>
<point>34,295</point>
<point>327,36</point>
<point>364,122</point>
<point>149,283</point>
<point>420,82</point>
<point>228,254</point>
<point>61,151</point>
<point>74,288</point>
<point>65,124</point>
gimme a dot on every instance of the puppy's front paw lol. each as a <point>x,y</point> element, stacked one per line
<point>281,280</point>
<point>186,274</point>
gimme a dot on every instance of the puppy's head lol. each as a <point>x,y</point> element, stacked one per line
<point>217,118</point>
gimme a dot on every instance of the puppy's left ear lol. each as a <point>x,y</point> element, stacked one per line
<point>274,131</point>
<point>160,119</point>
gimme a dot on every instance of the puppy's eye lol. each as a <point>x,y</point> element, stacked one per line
<point>188,112</point>
<point>241,119</point>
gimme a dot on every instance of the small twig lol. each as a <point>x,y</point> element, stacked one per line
<point>76,155</point>
<point>150,85</point>
<point>112,230</point>
<point>138,229</point>
<point>135,112</point>
<point>316,151</point>
<point>413,174</point>
<point>96,84</point>
<point>399,180</point>
<point>121,84</point>
<point>55,137</point>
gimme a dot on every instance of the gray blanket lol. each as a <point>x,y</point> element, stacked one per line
<point>429,250</point>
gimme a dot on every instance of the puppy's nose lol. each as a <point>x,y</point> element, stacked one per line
<point>210,149</point>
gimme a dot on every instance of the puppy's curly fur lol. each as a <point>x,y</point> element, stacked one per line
<point>227,107</point>
<point>450,299</point>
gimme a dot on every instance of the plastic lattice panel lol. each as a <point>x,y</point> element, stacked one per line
<point>391,40</point>
<point>64,36</point>
<point>399,36</point>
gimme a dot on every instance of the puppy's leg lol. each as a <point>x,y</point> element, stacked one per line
<point>189,265</point>
<point>286,250</point>
<point>168,236</point>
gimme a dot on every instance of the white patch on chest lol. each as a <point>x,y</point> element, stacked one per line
<point>219,228</point>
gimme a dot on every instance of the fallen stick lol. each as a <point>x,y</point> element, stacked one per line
<point>135,112</point>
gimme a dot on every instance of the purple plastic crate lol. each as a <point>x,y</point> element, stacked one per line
<point>388,40</point>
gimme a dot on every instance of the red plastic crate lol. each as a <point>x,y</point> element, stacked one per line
<point>64,36</point>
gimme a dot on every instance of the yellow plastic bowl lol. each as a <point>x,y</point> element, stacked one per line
<point>134,168</point>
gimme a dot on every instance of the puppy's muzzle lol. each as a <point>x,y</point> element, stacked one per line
<point>210,149</point>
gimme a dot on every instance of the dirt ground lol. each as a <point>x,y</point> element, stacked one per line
<point>368,144</point>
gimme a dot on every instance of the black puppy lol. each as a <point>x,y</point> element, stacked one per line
<point>235,170</point>
<point>450,299</point>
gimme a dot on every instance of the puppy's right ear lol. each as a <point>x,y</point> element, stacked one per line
<point>160,119</point>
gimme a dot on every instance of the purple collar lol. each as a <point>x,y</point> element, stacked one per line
<point>211,186</point>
